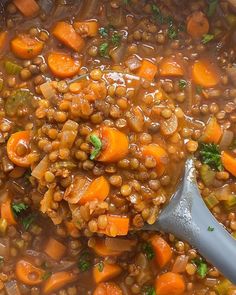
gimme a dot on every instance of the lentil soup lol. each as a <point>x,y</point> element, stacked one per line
<point>101,103</point>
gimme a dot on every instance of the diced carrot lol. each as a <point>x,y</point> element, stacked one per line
<point>229,162</point>
<point>101,249</point>
<point>55,249</point>
<point>108,288</point>
<point>212,132</point>
<point>63,65</point>
<point>159,154</point>
<point>58,280</point>
<point>66,34</point>
<point>27,7</point>
<point>7,213</point>
<point>170,284</point>
<point>116,226</point>
<point>205,74</point>
<point>29,274</point>
<point>87,28</point>
<point>169,66</point>
<point>103,272</point>
<point>76,87</point>
<point>197,25</point>
<point>72,229</point>
<point>116,145</point>
<point>26,47</point>
<point>162,249</point>
<point>17,140</point>
<point>147,70</point>
<point>3,40</point>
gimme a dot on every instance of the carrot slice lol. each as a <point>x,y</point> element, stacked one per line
<point>55,249</point>
<point>116,145</point>
<point>205,74</point>
<point>229,162</point>
<point>170,284</point>
<point>147,70</point>
<point>87,28</point>
<point>116,226</point>
<point>63,65</point>
<point>27,7</point>
<point>170,67</point>
<point>3,40</point>
<point>21,138</point>
<point>7,213</point>
<point>108,289</point>
<point>212,132</point>
<point>159,154</point>
<point>29,274</point>
<point>66,34</point>
<point>163,252</point>
<point>101,249</point>
<point>197,25</point>
<point>103,272</point>
<point>58,280</point>
<point>26,47</point>
<point>72,229</point>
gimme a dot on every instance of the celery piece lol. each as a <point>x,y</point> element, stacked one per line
<point>12,68</point>
<point>211,201</point>
<point>17,99</point>
<point>231,20</point>
<point>223,287</point>
<point>207,174</point>
<point>231,202</point>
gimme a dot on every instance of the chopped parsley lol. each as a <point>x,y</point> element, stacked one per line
<point>103,49</point>
<point>116,39</point>
<point>126,2</point>
<point>27,221</point>
<point>18,208</point>
<point>199,89</point>
<point>46,275</point>
<point>148,290</point>
<point>207,38</point>
<point>212,6</point>
<point>157,14</point>
<point>201,267</point>
<point>97,143</point>
<point>100,266</point>
<point>210,154</point>
<point>210,228</point>
<point>148,250</point>
<point>103,32</point>
<point>84,263</point>
<point>172,30</point>
<point>182,84</point>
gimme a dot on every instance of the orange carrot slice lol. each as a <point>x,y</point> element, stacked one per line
<point>29,274</point>
<point>7,213</point>
<point>108,288</point>
<point>66,34</point>
<point>3,40</point>
<point>87,28</point>
<point>205,74</point>
<point>26,47</point>
<point>72,229</point>
<point>58,280</point>
<point>27,7</point>
<point>116,145</point>
<point>197,25</point>
<point>103,272</point>
<point>147,70</point>
<point>117,226</point>
<point>159,154</point>
<point>63,65</point>
<point>101,249</point>
<point>212,132</point>
<point>162,249</point>
<point>55,249</point>
<point>170,283</point>
<point>21,138</point>
<point>229,162</point>
<point>170,67</point>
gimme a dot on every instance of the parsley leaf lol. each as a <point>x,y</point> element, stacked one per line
<point>103,49</point>
<point>210,154</point>
<point>148,251</point>
<point>46,275</point>
<point>157,14</point>
<point>199,89</point>
<point>100,266</point>
<point>27,221</point>
<point>172,31</point>
<point>18,208</point>
<point>201,267</point>
<point>182,84</point>
<point>148,290</point>
<point>207,38</point>
<point>84,263</point>
<point>103,32</point>
<point>97,143</point>
<point>116,39</point>
<point>212,6</point>
<point>210,228</point>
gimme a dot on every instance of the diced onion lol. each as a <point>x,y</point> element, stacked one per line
<point>11,288</point>
<point>180,264</point>
<point>223,193</point>
<point>39,171</point>
<point>117,244</point>
<point>47,90</point>
<point>226,139</point>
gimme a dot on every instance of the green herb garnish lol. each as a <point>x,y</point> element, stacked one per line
<point>172,30</point>
<point>199,89</point>
<point>182,84</point>
<point>103,32</point>
<point>97,143</point>
<point>46,275</point>
<point>207,38</point>
<point>18,208</point>
<point>148,290</point>
<point>103,49</point>
<point>157,14</point>
<point>148,251</point>
<point>210,228</point>
<point>212,6</point>
<point>84,263</point>
<point>100,266</point>
<point>116,39</point>
<point>27,221</point>
<point>210,154</point>
<point>201,267</point>
<point>126,2</point>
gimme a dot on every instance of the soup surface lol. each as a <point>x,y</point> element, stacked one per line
<point>101,103</point>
